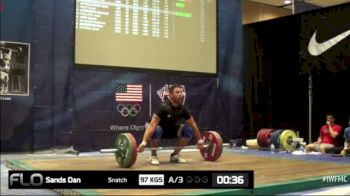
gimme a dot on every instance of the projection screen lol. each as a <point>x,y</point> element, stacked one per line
<point>179,35</point>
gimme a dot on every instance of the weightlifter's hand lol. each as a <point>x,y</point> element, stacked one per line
<point>142,146</point>
<point>200,144</point>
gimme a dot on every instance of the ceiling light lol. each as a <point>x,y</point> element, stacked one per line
<point>287,1</point>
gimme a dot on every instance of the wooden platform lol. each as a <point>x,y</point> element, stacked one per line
<point>273,175</point>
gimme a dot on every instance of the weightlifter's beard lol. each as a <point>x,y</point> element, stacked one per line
<point>175,100</point>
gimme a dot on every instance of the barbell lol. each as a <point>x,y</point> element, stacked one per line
<point>282,139</point>
<point>125,150</point>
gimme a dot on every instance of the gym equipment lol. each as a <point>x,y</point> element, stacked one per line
<point>125,150</point>
<point>264,138</point>
<point>286,139</point>
<point>126,153</point>
<point>281,139</point>
<point>214,149</point>
<point>252,143</point>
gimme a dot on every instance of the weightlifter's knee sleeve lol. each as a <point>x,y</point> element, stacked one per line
<point>187,131</point>
<point>158,133</point>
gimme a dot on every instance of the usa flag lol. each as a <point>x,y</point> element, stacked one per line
<point>128,93</point>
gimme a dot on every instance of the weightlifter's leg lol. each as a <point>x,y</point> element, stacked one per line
<point>154,142</point>
<point>182,143</point>
<point>185,133</point>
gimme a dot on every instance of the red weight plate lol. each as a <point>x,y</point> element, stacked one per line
<point>258,137</point>
<point>270,134</point>
<point>214,149</point>
<point>264,137</point>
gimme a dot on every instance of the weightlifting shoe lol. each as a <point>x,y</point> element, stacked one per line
<point>154,160</point>
<point>176,159</point>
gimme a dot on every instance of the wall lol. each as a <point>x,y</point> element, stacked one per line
<point>75,106</point>
<point>257,12</point>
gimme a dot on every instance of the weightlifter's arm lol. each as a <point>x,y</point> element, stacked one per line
<point>149,132</point>
<point>193,124</point>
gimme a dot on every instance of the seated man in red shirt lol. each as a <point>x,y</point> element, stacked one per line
<point>328,136</point>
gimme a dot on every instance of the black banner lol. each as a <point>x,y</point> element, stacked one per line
<point>131,179</point>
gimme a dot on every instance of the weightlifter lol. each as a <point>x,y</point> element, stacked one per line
<point>171,120</point>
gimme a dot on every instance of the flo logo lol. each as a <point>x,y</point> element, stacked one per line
<point>128,98</point>
<point>164,92</point>
<point>17,180</point>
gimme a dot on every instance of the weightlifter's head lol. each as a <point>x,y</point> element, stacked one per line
<point>176,94</point>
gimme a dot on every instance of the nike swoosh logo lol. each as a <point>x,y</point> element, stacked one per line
<point>316,49</point>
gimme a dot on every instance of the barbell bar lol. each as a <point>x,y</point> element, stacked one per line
<point>116,150</point>
<point>125,150</point>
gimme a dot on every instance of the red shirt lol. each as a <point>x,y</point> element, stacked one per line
<point>326,136</point>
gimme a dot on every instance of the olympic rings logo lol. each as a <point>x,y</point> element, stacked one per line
<point>128,109</point>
